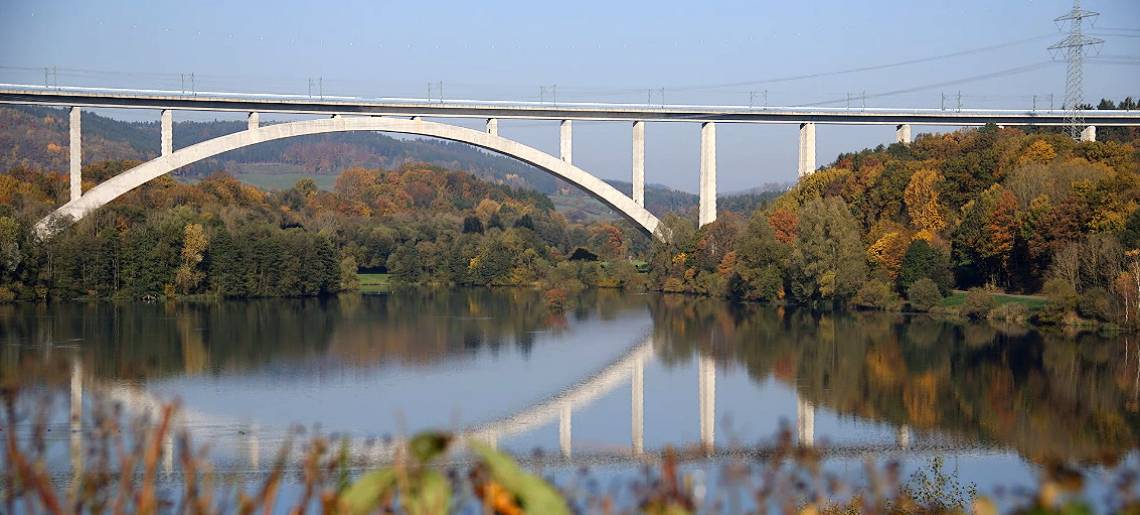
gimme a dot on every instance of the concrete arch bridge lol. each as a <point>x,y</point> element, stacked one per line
<point>405,116</point>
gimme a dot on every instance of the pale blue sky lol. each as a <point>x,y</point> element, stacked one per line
<point>601,51</point>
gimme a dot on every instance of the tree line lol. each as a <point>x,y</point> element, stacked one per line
<point>989,209</point>
<point>220,237</point>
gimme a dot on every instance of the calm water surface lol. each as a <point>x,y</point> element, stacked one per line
<point>617,377</point>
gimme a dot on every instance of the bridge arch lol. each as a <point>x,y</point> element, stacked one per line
<point>115,187</point>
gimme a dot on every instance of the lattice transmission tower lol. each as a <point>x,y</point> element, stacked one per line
<point>1073,46</point>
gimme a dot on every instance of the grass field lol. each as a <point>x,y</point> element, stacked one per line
<point>373,283</point>
<point>1033,302</point>
<point>281,180</point>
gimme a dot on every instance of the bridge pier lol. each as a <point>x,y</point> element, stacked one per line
<point>805,422</point>
<point>638,178</point>
<point>902,134</point>
<point>254,121</point>
<point>254,447</point>
<point>75,158</point>
<point>1088,133</point>
<point>75,417</point>
<point>902,437</point>
<point>637,410</point>
<point>565,141</point>
<point>564,429</point>
<point>706,391</point>
<point>493,126</point>
<point>707,208</point>
<point>167,132</point>
<point>807,149</point>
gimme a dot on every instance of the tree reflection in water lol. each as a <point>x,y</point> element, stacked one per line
<point>1046,395</point>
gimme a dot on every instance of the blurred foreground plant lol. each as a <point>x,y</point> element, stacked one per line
<point>119,473</point>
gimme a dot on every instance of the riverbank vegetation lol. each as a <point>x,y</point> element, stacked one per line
<point>219,237</point>
<point>989,210</point>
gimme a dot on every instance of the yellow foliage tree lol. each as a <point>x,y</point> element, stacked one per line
<point>194,243</point>
<point>921,197</point>
<point>486,208</point>
<point>887,252</point>
<point>1038,152</point>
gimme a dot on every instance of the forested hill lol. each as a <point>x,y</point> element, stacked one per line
<point>218,236</point>
<point>38,136</point>
<point>1001,209</point>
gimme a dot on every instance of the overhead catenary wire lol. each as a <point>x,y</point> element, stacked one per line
<point>935,85</point>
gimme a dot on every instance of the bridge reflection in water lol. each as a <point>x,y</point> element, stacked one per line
<point>629,367</point>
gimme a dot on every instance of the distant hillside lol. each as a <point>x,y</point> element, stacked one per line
<point>34,136</point>
<point>37,137</point>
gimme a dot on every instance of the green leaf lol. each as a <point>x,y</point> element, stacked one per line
<point>364,495</point>
<point>534,494</point>
<point>427,445</point>
<point>431,495</point>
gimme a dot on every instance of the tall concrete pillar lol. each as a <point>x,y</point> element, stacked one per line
<point>564,430</point>
<point>168,451</point>
<point>1088,133</point>
<point>903,436</point>
<point>167,132</point>
<point>254,448</point>
<point>565,140</point>
<point>75,418</point>
<point>254,121</point>
<point>493,126</point>
<point>706,392</point>
<point>902,134</point>
<point>637,410</point>
<point>707,208</point>
<point>638,178</point>
<point>805,422</point>
<point>807,149</point>
<point>75,159</point>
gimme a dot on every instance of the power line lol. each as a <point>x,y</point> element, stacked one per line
<point>867,68</point>
<point>963,80</point>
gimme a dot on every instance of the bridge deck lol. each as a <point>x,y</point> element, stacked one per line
<point>287,104</point>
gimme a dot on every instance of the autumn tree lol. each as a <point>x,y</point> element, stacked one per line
<point>827,257</point>
<point>194,242</point>
<point>759,262</point>
<point>922,205</point>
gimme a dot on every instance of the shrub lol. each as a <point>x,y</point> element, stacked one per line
<point>1062,302</point>
<point>978,304</point>
<point>673,285</point>
<point>1010,312</point>
<point>923,294</point>
<point>877,294</point>
<point>1060,292</point>
<point>1095,303</point>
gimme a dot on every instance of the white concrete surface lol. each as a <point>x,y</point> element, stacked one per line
<point>141,174</point>
<point>566,141</point>
<point>707,210</point>
<point>638,178</point>
<point>902,134</point>
<point>75,156</point>
<point>1088,133</point>
<point>807,149</point>
<point>167,132</point>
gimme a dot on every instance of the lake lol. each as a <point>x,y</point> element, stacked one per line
<point>609,383</point>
